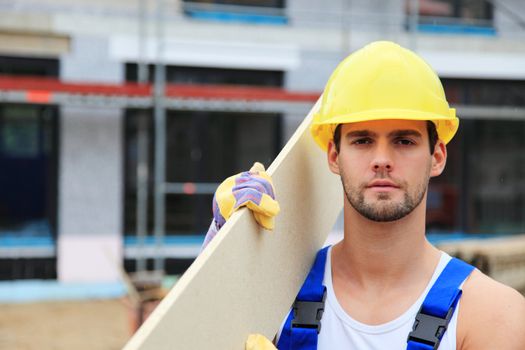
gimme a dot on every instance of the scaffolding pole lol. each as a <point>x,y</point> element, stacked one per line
<point>413,23</point>
<point>160,140</point>
<point>142,149</point>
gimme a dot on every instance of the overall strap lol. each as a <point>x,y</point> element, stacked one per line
<point>303,323</point>
<point>438,307</point>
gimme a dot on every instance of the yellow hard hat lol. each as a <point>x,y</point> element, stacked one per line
<point>383,81</point>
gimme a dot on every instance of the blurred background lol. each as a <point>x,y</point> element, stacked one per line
<point>119,118</point>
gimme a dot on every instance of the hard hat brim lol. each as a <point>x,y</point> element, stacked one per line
<point>446,126</point>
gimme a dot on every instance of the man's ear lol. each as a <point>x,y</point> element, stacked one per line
<point>333,158</point>
<point>439,159</point>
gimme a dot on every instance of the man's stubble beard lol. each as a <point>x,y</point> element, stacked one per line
<point>385,211</point>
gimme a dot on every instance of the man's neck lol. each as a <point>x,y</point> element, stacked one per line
<point>383,254</point>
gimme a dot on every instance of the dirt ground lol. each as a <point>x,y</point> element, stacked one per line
<point>79,325</point>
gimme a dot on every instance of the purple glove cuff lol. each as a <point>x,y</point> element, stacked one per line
<point>218,219</point>
<point>212,232</point>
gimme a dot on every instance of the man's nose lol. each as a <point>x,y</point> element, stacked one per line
<point>382,159</point>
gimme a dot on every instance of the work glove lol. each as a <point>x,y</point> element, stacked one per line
<point>252,189</point>
<point>259,342</point>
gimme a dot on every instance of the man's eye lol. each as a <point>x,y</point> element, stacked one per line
<point>363,141</point>
<point>404,142</point>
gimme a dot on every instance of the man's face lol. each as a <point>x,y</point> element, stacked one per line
<point>385,166</point>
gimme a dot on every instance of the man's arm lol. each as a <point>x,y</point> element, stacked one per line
<point>491,316</point>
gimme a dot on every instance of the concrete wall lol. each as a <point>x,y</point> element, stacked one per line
<point>90,183</point>
<point>507,18</point>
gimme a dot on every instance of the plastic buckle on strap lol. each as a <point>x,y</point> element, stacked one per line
<point>308,314</point>
<point>428,329</point>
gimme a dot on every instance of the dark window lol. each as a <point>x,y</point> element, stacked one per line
<point>453,16</point>
<point>482,188</point>
<point>28,159</point>
<point>485,92</point>
<point>202,148</point>
<point>28,179</point>
<point>171,266</point>
<point>217,76</point>
<point>248,3</point>
<point>495,173</point>
<point>28,268</point>
<point>249,11</point>
<point>45,67</point>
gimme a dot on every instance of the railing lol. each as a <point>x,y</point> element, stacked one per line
<point>501,258</point>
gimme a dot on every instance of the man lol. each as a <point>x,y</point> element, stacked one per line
<point>384,122</point>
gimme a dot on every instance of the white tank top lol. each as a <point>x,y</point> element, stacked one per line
<point>340,331</point>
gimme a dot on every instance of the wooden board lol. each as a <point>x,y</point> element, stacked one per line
<point>247,278</point>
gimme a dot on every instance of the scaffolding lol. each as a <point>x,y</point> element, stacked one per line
<point>47,91</point>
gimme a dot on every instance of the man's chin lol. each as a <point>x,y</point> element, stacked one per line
<point>384,200</point>
<point>384,217</point>
<point>383,211</point>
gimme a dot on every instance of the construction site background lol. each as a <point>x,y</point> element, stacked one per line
<point>119,118</point>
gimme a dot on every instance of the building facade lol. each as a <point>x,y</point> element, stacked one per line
<point>77,183</point>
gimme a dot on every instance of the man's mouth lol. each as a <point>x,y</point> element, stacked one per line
<point>382,185</point>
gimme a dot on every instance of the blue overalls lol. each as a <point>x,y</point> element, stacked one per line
<point>303,323</point>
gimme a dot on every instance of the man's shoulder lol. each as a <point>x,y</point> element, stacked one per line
<point>491,316</point>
